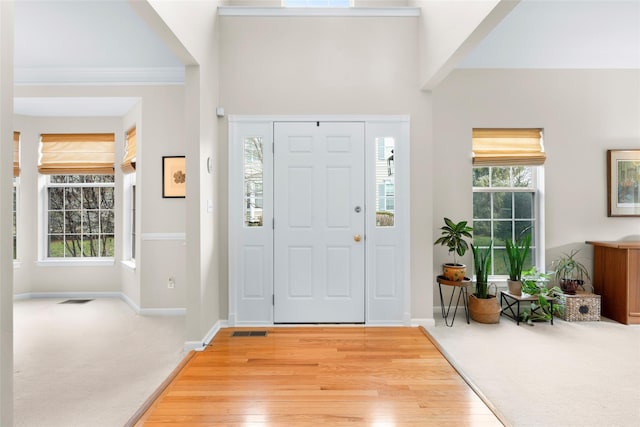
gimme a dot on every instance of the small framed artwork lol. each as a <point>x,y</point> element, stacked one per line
<point>174,176</point>
<point>623,182</point>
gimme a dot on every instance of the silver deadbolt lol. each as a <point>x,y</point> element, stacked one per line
<point>357,209</point>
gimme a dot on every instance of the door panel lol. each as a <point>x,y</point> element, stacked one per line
<point>318,185</point>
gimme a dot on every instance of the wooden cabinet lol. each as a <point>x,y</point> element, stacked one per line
<point>616,277</point>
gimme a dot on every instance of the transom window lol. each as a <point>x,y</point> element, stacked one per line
<point>80,216</point>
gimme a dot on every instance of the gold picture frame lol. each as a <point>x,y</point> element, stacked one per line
<point>174,177</point>
<point>623,183</point>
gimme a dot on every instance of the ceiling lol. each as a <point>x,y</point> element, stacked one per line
<point>106,42</point>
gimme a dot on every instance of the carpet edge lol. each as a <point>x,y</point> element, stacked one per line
<point>465,378</point>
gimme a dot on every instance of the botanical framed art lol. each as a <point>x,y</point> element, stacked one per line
<point>623,182</point>
<point>174,177</point>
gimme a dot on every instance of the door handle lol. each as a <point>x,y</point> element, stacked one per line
<point>357,238</point>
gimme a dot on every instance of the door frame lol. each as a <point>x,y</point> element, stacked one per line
<point>387,249</point>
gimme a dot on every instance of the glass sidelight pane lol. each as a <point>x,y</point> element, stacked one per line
<point>253,182</point>
<point>385,182</point>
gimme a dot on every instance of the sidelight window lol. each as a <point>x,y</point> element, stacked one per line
<point>385,182</point>
<point>253,168</point>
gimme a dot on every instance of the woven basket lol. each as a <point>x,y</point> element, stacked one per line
<point>484,310</point>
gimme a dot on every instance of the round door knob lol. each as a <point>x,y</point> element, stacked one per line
<point>357,237</point>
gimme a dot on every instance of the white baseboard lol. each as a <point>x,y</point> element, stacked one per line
<point>66,295</point>
<point>119,295</point>
<point>200,345</point>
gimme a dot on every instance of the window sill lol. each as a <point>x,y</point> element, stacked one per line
<point>389,12</point>
<point>76,263</point>
<point>130,264</point>
<point>17,264</point>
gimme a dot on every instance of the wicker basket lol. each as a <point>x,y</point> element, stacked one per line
<point>484,310</point>
<point>580,307</point>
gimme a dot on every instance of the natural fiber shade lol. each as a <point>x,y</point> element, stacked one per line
<point>129,162</point>
<point>16,153</point>
<point>507,147</point>
<point>76,154</point>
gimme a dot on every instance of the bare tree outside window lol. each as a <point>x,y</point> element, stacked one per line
<point>80,216</point>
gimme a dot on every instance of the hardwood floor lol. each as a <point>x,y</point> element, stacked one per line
<point>309,376</point>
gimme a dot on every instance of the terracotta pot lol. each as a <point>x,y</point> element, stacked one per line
<point>515,287</point>
<point>454,272</point>
<point>484,310</point>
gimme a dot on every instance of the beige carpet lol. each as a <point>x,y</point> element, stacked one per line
<point>90,364</point>
<point>584,374</point>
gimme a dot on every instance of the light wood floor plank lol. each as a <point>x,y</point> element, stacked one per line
<point>309,376</point>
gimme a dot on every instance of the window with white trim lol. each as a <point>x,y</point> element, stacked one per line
<point>507,193</point>
<point>79,195</point>
<point>80,216</point>
<point>16,181</point>
<point>15,217</point>
<point>128,167</point>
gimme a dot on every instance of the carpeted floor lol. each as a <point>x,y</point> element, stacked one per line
<point>584,374</point>
<point>90,364</point>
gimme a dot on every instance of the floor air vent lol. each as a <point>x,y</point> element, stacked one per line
<point>75,301</point>
<point>249,334</point>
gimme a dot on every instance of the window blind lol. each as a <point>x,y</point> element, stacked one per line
<point>71,154</point>
<point>508,147</point>
<point>16,153</point>
<point>129,162</point>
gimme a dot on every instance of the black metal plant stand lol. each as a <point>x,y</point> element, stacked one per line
<point>462,293</point>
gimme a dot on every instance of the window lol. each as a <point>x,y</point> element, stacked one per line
<point>16,179</point>
<point>79,190</point>
<point>15,218</point>
<point>253,181</point>
<point>507,192</point>
<point>80,216</point>
<point>132,235</point>
<point>317,3</point>
<point>128,167</point>
<point>385,182</point>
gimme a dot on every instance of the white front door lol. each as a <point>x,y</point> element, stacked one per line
<point>319,222</point>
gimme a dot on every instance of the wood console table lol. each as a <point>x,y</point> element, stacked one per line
<point>616,277</point>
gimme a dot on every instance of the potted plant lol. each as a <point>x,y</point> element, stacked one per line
<point>570,272</point>
<point>483,306</point>
<point>453,236</point>
<point>516,254</point>
<point>534,284</point>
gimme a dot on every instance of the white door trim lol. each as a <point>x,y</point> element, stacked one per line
<point>387,299</point>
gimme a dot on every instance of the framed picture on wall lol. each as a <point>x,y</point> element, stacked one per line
<point>174,177</point>
<point>623,182</point>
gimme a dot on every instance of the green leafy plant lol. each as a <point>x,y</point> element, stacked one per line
<point>481,266</point>
<point>534,283</point>
<point>453,236</point>
<point>569,268</point>
<point>517,252</point>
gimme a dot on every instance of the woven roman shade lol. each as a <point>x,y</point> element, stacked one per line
<point>77,154</point>
<point>508,147</point>
<point>129,162</point>
<point>16,153</point>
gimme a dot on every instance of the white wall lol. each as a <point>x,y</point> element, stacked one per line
<point>31,277</point>
<point>6,251</point>
<point>336,66</point>
<point>160,123</point>
<point>194,24</point>
<point>583,113</point>
<point>449,30</point>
